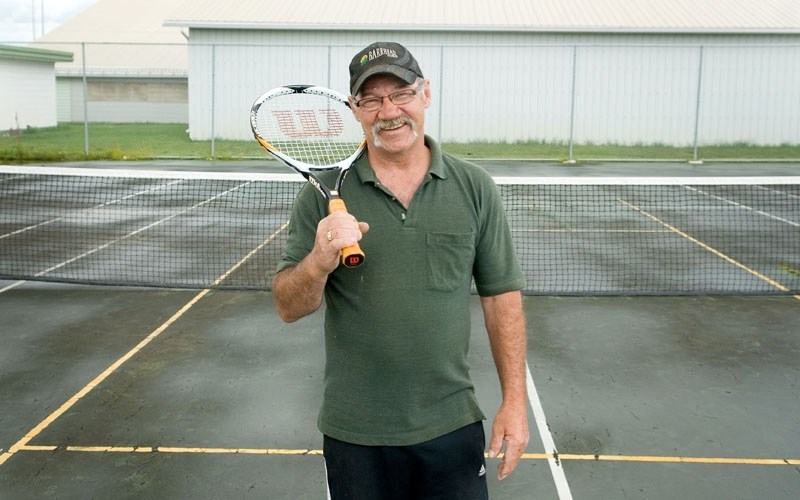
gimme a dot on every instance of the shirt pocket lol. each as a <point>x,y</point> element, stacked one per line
<point>449,258</point>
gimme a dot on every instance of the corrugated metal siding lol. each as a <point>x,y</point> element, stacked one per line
<point>63,101</point>
<point>509,86</point>
<point>754,92</point>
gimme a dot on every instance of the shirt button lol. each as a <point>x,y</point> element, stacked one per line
<point>403,216</point>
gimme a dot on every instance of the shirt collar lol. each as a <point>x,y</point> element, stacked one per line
<point>435,169</point>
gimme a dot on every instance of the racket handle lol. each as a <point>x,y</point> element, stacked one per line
<point>351,256</point>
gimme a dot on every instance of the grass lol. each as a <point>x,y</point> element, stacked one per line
<point>115,141</point>
<point>128,141</point>
<point>556,151</point>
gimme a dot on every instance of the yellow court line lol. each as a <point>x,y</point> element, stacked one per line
<point>706,247</point>
<point>38,448</point>
<point>44,424</point>
<point>179,450</point>
<point>683,460</point>
<point>525,456</point>
<point>41,426</point>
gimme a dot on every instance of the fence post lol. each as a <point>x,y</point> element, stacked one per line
<point>697,106</point>
<point>213,98</point>
<point>441,94</point>
<point>572,105</point>
<point>85,103</point>
<point>330,55</point>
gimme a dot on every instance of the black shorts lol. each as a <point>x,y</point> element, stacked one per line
<point>449,467</point>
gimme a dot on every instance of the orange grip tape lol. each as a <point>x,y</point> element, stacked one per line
<point>351,256</point>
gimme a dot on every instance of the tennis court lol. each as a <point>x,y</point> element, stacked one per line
<point>190,392</point>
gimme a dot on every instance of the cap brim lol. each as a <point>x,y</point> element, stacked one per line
<point>406,75</point>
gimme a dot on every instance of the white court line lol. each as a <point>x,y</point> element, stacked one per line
<point>58,219</point>
<point>562,486</point>
<point>101,205</point>
<point>744,207</point>
<point>129,235</point>
<point>12,285</point>
<point>784,193</point>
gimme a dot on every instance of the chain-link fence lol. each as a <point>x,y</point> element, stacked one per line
<point>554,102</point>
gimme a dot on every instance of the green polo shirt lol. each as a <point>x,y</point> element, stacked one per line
<point>397,327</point>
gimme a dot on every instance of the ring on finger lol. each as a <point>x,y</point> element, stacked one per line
<point>329,235</point>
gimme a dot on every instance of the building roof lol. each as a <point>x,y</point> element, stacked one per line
<point>595,16</point>
<point>31,54</point>
<point>149,37</point>
<point>123,38</point>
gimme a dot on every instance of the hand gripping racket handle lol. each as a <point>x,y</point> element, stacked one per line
<point>352,256</point>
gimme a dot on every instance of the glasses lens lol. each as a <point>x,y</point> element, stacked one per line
<point>399,97</point>
<point>402,97</point>
<point>370,103</point>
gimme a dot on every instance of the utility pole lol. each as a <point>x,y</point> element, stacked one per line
<point>33,17</point>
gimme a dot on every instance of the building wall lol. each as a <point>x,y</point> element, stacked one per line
<point>124,100</point>
<point>628,88</point>
<point>27,94</point>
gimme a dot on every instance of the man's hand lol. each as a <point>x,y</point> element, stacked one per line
<point>336,231</point>
<point>298,290</point>
<point>509,430</point>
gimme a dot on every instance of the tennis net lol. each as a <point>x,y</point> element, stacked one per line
<point>574,236</point>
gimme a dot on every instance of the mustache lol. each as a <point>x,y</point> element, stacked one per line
<point>393,123</point>
<point>390,124</point>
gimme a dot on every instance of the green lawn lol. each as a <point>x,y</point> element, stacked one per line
<point>146,141</point>
<point>115,141</point>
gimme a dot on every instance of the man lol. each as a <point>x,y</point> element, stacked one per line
<point>399,415</point>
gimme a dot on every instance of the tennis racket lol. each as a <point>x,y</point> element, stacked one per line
<point>304,127</point>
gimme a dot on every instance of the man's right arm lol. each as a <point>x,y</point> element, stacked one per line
<point>298,291</point>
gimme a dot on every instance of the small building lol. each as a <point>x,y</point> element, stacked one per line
<point>28,87</point>
<point>135,67</point>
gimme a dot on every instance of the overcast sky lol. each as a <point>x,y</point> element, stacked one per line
<point>19,18</point>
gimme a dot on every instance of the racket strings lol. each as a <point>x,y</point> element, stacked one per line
<point>310,128</point>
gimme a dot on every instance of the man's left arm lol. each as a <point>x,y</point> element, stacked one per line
<point>505,323</point>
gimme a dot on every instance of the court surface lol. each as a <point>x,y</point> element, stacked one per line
<point>112,392</point>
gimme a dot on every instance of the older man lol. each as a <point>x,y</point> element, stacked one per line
<point>399,416</point>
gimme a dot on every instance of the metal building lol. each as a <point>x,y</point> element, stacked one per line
<point>593,71</point>
<point>28,87</point>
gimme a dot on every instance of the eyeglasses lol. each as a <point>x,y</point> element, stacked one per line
<point>374,103</point>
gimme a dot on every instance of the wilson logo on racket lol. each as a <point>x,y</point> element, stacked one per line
<point>300,123</point>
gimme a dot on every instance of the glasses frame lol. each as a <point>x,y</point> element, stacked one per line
<point>414,91</point>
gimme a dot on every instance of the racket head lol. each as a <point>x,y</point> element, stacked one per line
<point>307,127</point>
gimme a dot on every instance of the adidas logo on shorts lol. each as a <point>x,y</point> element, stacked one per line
<point>482,472</point>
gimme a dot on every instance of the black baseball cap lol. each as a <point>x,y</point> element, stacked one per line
<point>383,58</point>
